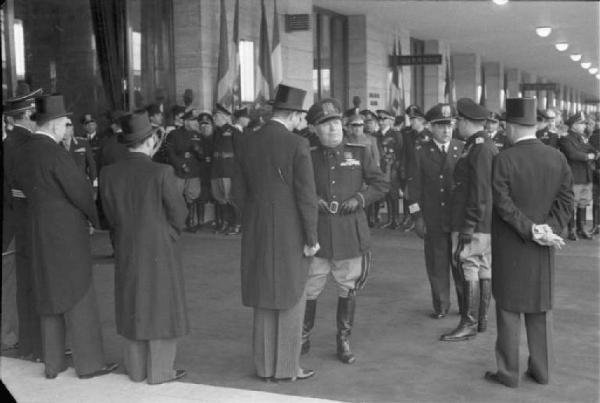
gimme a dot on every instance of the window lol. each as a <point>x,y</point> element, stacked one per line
<point>247,71</point>
<point>330,67</point>
<point>19,50</point>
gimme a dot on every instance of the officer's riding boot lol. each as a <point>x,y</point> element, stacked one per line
<point>571,236</point>
<point>581,231</point>
<point>218,218</point>
<point>596,219</point>
<point>225,217</point>
<point>460,297</point>
<point>467,328</point>
<point>485,292</point>
<point>345,320</point>
<point>309,323</point>
<point>199,205</point>
<point>189,221</point>
<point>391,212</point>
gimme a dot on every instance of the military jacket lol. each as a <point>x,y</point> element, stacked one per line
<point>185,149</point>
<point>161,154</point>
<point>82,154</point>
<point>223,151</point>
<point>389,145</point>
<point>16,138</point>
<point>431,182</point>
<point>499,139</point>
<point>576,150</point>
<point>341,173</point>
<point>411,139</point>
<point>472,192</point>
<point>550,138</point>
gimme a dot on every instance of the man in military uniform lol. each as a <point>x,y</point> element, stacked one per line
<point>222,170</point>
<point>80,150</point>
<point>471,218</point>
<point>548,134</point>
<point>94,139</point>
<point>595,142</point>
<point>341,171</point>
<point>581,157</point>
<point>21,110</point>
<point>371,127</point>
<point>496,133</point>
<point>413,136</point>
<point>241,119</point>
<point>390,149</point>
<point>186,155</point>
<point>206,124</point>
<point>157,120</point>
<point>430,186</point>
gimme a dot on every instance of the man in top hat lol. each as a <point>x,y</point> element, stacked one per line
<point>581,157</point>
<point>496,133</point>
<point>20,110</point>
<point>59,198</point>
<point>222,170</point>
<point>414,135</point>
<point>548,133</point>
<point>146,212</point>
<point>274,186</point>
<point>533,200</point>
<point>347,180</point>
<point>82,154</point>
<point>430,185</point>
<point>389,142</point>
<point>471,207</point>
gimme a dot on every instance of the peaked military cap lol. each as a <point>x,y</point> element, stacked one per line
<point>177,110</point>
<point>576,118</point>
<point>324,110</point>
<point>356,120</point>
<point>382,113</point>
<point>189,115</point>
<point>468,109</point>
<point>21,103</point>
<point>351,112</point>
<point>368,115</point>
<point>494,117</point>
<point>205,118</point>
<point>413,111</point>
<point>440,113</point>
<point>521,111</point>
<point>223,109</point>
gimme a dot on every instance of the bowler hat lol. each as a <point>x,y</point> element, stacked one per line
<point>440,113</point>
<point>289,98</point>
<point>21,103</point>
<point>324,110</point>
<point>49,107</point>
<point>468,109</point>
<point>521,111</point>
<point>576,118</point>
<point>136,127</point>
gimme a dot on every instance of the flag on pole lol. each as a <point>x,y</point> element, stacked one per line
<point>264,79</point>
<point>237,96</point>
<point>395,100</point>
<point>449,85</point>
<point>483,95</point>
<point>276,53</point>
<point>224,93</point>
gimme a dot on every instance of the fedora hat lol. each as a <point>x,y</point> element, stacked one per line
<point>136,127</point>
<point>289,98</point>
<point>48,107</point>
<point>21,103</point>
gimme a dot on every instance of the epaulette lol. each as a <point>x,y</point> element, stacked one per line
<point>356,145</point>
<point>479,140</point>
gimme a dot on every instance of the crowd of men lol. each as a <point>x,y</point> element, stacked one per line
<point>303,188</point>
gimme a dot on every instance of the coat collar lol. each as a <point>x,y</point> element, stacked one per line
<point>527,142</point>
<point>135,155</point>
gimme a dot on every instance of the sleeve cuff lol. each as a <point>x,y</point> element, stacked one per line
<point>414,208</point>
<point>362,199</point>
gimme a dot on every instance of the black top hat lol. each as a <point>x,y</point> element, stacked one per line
<point>49,107</point>
<point>289,98</point>
<point>136,127</point>
<point>21,103</point>
<point>440,113</point>
<point>521,111</point>
<point>325,109</point>
<point>468,109</point>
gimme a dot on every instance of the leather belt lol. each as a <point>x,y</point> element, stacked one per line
<point>17,193</point>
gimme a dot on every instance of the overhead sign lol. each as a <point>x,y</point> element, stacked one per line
<point>409,60</point>
<point>540,87</point>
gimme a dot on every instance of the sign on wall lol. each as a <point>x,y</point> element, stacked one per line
<point>409,60</point>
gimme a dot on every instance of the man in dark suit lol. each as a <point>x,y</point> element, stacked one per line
<point>471,219</point>
<point>80,150</point>
<point>430,186</point>
<point>146,213</point>
<point>347,180</point>
<point>59,198</point>
<point>581,157</point>
<point>533,200</point>
<point>274,186</point>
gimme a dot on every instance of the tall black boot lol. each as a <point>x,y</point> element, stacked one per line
<point>225,217</point>
<point>189,221</point>
<point>345,320</point>
<point>467,328</point>
<point>391,213</point>
<point>581,231</point>
<point>596,219</point>
<point>309,323</point>
<point>199,206</point>
<point>571,236</point>
<point>485,295</point>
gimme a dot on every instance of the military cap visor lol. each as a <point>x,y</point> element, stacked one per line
<point>579,117</point>
<point>468,109</point>
<point>440,114</point>
<point>21,103</point>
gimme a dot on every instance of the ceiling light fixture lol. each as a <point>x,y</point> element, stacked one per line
<point>593,70</point>
<point>598,76</point>
<point>586,65</point>
<point>575,57</point>
<point>500,2</point>
<point>543,31</point>
<point>561,46</point>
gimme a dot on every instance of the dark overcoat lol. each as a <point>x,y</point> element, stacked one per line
<point>60,204</point>
<point>82,154</point>
<point>532,184</point>
<point>576,150</point>
<point>275,187</point>
<point>548,137</point>
<point>146,214</point>
<point>431,181</point>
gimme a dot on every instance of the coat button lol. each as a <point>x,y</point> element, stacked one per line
<point>442,189</point>
<point>441,176</point>
<point>443,204</point>
<point>333,182</point>
<point>332,168</point>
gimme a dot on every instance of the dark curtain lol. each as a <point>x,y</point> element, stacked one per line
<point>110,28</point>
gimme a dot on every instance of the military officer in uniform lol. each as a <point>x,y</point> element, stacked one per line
<point>471,218</point>
<point>430,186</point>
<point>533,200</point>
<point>341,169</point>
<point>390,149</point>
<point>581,157</point>
<point>496,133</point>
<point>548,134</point>
<point>82,154</point>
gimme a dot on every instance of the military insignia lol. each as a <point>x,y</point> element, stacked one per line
<point>455,148</point>
<point>446,111</point>
<point>479,140</point>
<point>347,155</point>
<point>350,162</point>
<point>79,150</point>
<point>329,109</point>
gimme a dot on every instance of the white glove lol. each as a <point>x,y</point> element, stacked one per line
<point>543,235</point>
<point>311,250</point>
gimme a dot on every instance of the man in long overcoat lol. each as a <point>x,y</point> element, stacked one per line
<point>146,213</point>
<point>533,200</point>
<point>59,206</point>
<point>275,187</point>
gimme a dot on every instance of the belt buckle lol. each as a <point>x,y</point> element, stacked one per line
<point>333,207</point>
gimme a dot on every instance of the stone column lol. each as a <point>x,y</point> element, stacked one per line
<point>466,74</point>
<point>357,59</point>
<point>494,85</point>
<point>513,81</point>
<point>434,77</point>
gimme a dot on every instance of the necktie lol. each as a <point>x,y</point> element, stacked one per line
<point>443,149</point>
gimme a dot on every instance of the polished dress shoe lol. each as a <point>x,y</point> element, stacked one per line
<point>534,378</point>
<point>301,374</point>
<point>107,369</point>
<point>52,375</point>
<point>438,315</point>
<point>493,377</point>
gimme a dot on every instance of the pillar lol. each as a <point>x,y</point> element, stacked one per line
<point>466,74</point>
<point>513,81</point>
<point>434,76</point>
<point>494,84</point>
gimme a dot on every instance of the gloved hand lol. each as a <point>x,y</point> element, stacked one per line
<point>323,206</point>
<point>349,206</point>
<point>420,228</point>
<point>465,238</point>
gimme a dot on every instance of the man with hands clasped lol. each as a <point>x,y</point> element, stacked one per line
<point>347,180</point>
